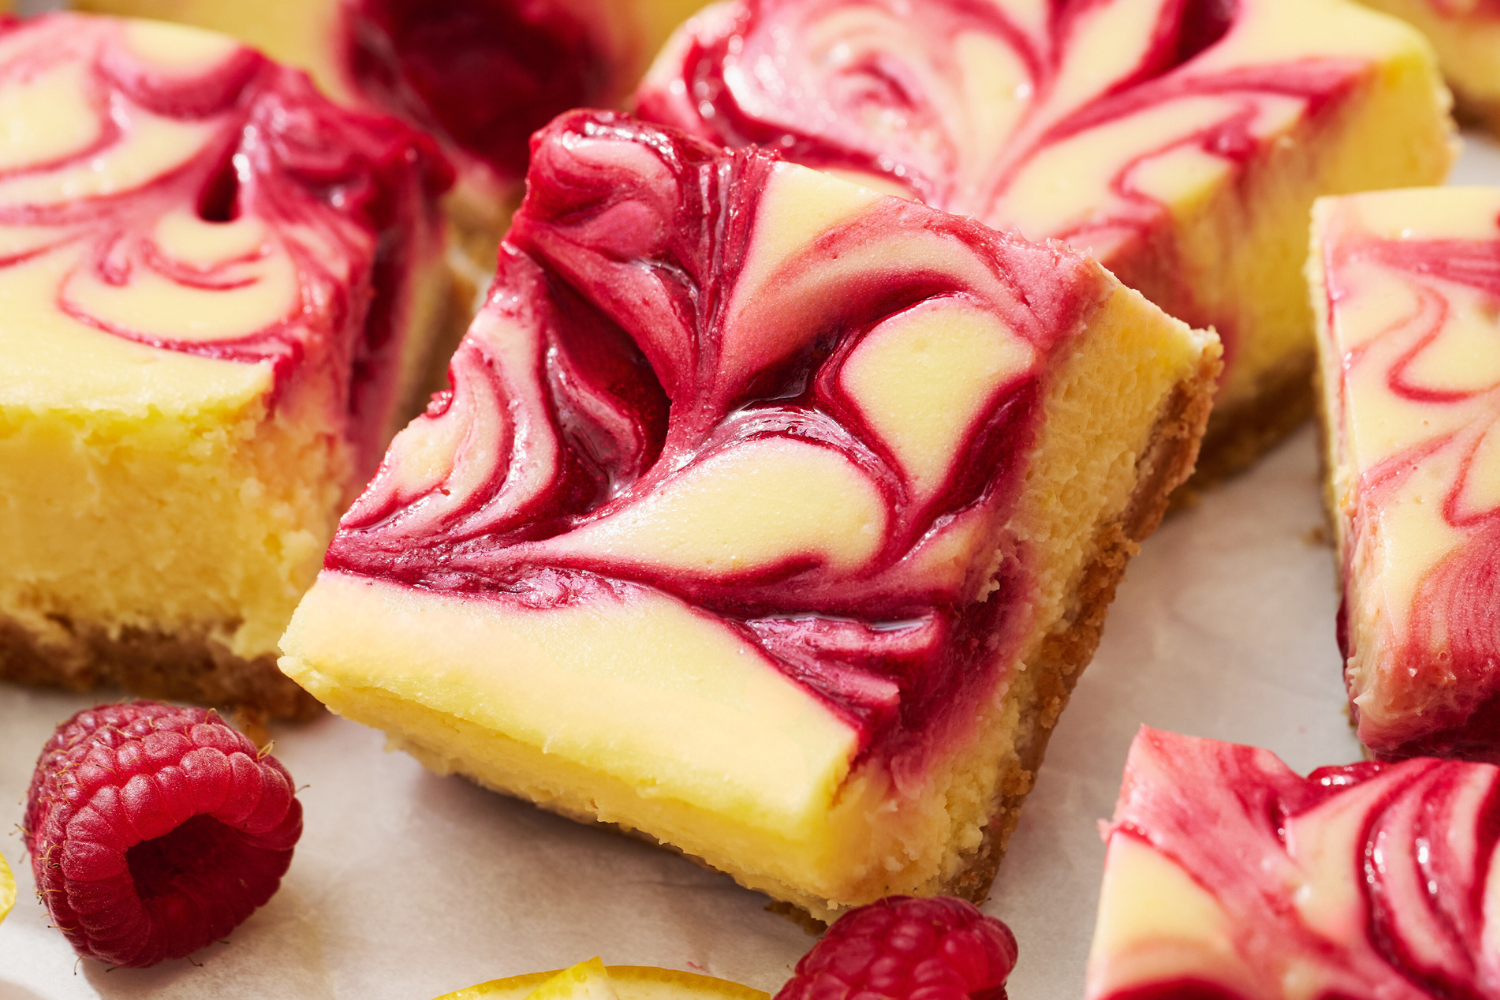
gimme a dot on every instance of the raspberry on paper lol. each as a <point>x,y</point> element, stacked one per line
<point>155,830</point>
<point>903,948</point>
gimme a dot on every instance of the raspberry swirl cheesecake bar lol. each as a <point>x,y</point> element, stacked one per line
<point>218,289</point>
<point>1230,877</point>
<point>1466,35</point>
<point>1182,142</point>
<point>1407,288</point>
<point>479,75</point>
<point>768,517</point>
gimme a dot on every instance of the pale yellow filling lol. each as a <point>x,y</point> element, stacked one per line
<point>946,367</point>
<point>1157,924</point>
<point>1384,314</point>
<point>1234,240</point>
<point>212,520</point>
<point>151,490</point>
<point>311,35</point>
<point>1241,246</point>
<point>660,719</point>
<point>1468,48</point>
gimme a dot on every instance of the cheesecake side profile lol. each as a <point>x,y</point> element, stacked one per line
<point>1407,288</point>
<point>1466,36</point>
<point>1228,875</point>
<point>220,290</point>
<point>1181,143</point>
<point>768,518</point>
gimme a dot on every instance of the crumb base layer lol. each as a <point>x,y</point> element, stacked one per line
<point>175,667</point>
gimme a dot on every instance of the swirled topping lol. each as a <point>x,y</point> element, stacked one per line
<point>1466,8</point>
<point>788,402</point>
<point>165,192</point>
<point>1411,342</point>
<point>1090,122</point>
<point>1230,877</point>
<point>485,74</point>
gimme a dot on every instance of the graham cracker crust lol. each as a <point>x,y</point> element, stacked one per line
<point>1045,686</point>
<point>1476,112</point>
<point>192,668</point>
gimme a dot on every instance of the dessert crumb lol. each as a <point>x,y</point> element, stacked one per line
<point>1317,537</point>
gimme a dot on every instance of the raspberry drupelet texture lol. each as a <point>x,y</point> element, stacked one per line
<point>155,830</point>
<point>903,948</point>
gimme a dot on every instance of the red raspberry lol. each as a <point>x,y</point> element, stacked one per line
<point>155,830</point>
<point>908,949</point>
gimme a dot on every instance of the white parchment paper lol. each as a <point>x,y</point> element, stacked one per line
<point>407,885</point>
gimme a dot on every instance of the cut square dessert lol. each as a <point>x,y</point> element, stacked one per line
<point>768,517</point>
<point>480,75</point>
<point>1227,876</point>
<point>1182,142</point>
<point>1407,289</point>
<point>219,291</point>
<point>1466,35</point>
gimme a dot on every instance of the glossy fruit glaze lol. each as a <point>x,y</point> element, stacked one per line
<point>1354,883</point>
<point>671,388</point>
<point>1080,121</point>
<point>484,74</point>
<point>177,190</point>
<point>1412,322</point>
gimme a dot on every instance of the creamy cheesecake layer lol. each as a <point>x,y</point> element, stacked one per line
<point>1229,876</point>
<point>202,352</point>
<point>480,75</point>
<point>1407,287</point>
<point>1466,35</point>
<point>756,505</point>
<point>1182,144</point>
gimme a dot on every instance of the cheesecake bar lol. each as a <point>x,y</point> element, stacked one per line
<point>1466,35</point>
<point>769,517</point>
<point>1407,289</point>
<point>1228,876</point>
<point>479,75</point>
<point>219,289</point>
<point>1180,143</point>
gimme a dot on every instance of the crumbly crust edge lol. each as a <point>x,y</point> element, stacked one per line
<point>1167,463</point>
<point>187,666</point>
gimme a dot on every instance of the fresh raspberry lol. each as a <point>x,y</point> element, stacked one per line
<point>155,830</point>
<point>908,949</point>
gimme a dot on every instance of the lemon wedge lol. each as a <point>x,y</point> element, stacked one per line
<point>7,889</point>
<point>593,980</point>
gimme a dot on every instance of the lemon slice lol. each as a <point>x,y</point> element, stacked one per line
<point>7,889</point>
<point>593,980</point>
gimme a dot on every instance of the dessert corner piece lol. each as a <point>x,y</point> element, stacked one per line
<point>218,288</point>
<point>768,517</point>
<point>1466,35</point>
<point>1227,875</point>
<point>479,75</point>
<point>1407,289</point>
<point>1181,142</point>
